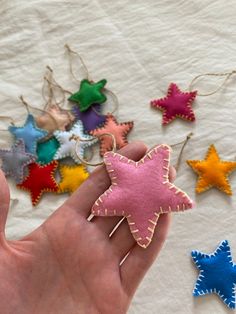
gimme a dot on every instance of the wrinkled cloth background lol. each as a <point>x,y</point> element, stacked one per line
<point>139,47</point>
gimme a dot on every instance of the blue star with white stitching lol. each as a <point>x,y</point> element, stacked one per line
<point>30,134</point>
<point>217,274</point>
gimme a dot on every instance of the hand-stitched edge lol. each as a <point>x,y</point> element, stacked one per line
<point>209,186</point>
<point>32,158</point>
<point>61,190</point>
<point>32,120</point>
<point>123,135</point>
<point>37,199</point>
<point>83,145</point>
<point>155,104</point>
<point>143,242</point>
<point>100,125</point>
<point>195,254</point>
<point>97,88</point>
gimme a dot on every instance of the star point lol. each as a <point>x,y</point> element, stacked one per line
<point>217,274</point>
<point>39,180</point>
<point>118,130</point>
<point>213,172</point>
<point>46,150</point>
<point>54,119</point>
<point>141,192</point>
<point>68,144</point>
<point>72,177</point>
<point>30,133</point>
<point>88,94</point>
<point>176,104</point>
<point>15,160</point>
<point>91,118</point>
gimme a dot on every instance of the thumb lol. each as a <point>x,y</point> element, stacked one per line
<point>4,203</point>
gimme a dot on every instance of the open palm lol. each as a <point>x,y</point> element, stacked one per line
<point>70,265</point>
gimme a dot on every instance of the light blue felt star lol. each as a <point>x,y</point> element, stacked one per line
<point>30,134</point>
<point>68,145</point>
<point>217,274</point>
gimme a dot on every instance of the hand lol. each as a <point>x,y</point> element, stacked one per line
<point>70,265</point>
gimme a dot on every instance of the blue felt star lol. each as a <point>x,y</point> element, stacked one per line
<point>30,134</point>
<point>217,274</point>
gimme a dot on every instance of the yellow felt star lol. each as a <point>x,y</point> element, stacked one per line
<point>213,172</point>
<point>72,177</point>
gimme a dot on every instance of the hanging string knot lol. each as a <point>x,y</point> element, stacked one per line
<point>184,143</point>
<point>189,135</point>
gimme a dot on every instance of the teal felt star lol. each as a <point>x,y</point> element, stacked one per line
<point>46,151</point>
<point>15,160</point>
<point>217,274</point>
<point>88,94</point>
<point>30,134</point>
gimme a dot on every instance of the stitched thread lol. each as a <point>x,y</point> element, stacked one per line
<point>152,221</point>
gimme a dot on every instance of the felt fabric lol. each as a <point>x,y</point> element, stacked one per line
<point>30,133</point>
<point>68,145</point>
<point>213,172</point>
<point>47,150</point>
<point>175,104</point>
<point>140,47</point>
<point>141,191</point>
<point>40,179</point>
<point>217,274</point>
<point>88,94</point>
<point>15,160</point>
<point>91,118</point>
<point>71,177</point>
<point>119,130</point>
<point>54,119</point>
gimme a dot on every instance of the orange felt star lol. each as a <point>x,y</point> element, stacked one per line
<point>119,130</point>
<point>213,172</point>
<point>54,119</point>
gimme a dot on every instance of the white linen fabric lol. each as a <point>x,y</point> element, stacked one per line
<point>139,47</point>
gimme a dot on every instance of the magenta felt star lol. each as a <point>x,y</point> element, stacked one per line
<point>140,191</point>
<point>176,104</point>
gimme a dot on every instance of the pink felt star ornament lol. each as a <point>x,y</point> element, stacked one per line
<point>176,104</point>
<point>141,192</point>
<point>54,118</point>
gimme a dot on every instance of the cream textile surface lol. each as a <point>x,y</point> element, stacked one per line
<point>139,47</point>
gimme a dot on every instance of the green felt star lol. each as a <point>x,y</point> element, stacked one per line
<point>46,151</point>
<point>88,94</point>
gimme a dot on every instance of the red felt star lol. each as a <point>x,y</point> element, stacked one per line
<point>176,104</point>
<point>119,130</point>
<point>39,180</point>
